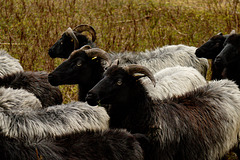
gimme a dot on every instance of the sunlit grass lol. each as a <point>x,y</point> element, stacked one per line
<point>30,27</point>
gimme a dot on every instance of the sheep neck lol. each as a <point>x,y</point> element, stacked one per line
<point>232,72</point>
<point>96,77</point>
<point>134,114</point>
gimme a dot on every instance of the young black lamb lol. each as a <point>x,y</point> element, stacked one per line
<point>108,145</point>
<point>229,58</point>
<point>72,39</point>
<point>12,75</point>
<point>85,67</point>
<point>211,49</point>
<point>201,124</point>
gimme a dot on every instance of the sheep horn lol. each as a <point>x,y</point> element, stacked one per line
<point>232,32</point>
<point>84,27</point>
<point>69,32</point>
<point>85,47</point>
<point>97,52</point>
<point>134,68</point>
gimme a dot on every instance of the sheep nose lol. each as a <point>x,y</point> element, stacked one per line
<point>218,62</point>
<point>52,79</point>
<point>199,53</point>
<point>92,99</point>
<point>51,53</point>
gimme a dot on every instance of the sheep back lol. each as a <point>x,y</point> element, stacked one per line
<point>18,99</point>
<point>163,57</point>
<point>53,121</point>
<point>174,81</point>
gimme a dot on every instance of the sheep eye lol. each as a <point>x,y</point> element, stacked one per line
<point>119,82</point>
<point>79,64</point>
<point>71,40</point>
<point>61,43</point>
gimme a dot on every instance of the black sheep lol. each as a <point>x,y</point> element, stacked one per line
<point>229,58</point>
<point>211,49</point>
<point>202,124</point>
<point>72,40</point>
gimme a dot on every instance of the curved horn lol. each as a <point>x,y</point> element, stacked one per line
<point>85,47</point>
<point>134,68</point>
<point>84,27</point>
<point>97,52</point>
<point>232,32</point>
<point>69,31</point>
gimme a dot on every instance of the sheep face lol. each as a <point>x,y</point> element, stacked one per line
<point>77,69</point>
<point>211,48</point>
<point>65,45</point>
<point>230,53</point>
<point>114,88</point>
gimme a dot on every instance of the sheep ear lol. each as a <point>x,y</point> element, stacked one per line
<point>220,33</point>
<point>115,62</point>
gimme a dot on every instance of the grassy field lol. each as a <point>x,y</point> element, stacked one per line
<point>30,27</point>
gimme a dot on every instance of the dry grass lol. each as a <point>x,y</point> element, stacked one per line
<point>30,27</point>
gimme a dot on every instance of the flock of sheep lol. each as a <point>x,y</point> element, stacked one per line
<point>151,105</point>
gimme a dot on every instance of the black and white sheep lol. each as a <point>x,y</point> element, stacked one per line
<point>27,123</point>
<point>108,145</point>
<point>229,58</point>
<point>72,39</point>
<point>12,75</point>
<point>211,49</point>
<point>201,124</point>
<point>85,68</point>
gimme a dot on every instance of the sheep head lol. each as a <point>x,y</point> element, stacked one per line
<point>83,67</point>
<point>213,46</point>
<point>230,53</point>
<point>118,84</point>
<point>71,40</point>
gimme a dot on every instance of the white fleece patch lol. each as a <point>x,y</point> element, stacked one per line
<point>8,64</point>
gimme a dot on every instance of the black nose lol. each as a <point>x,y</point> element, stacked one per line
<point>52,80</point>
<point>51,53</point>
<point>218,62</point>
<point>199,53</point>
<point>92,99</point>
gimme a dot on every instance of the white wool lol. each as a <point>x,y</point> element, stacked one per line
<point>53,121</point>
<point>174,81</point>
<point>163,57</point>
<point>8,64</point>
<point>18,98</point>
